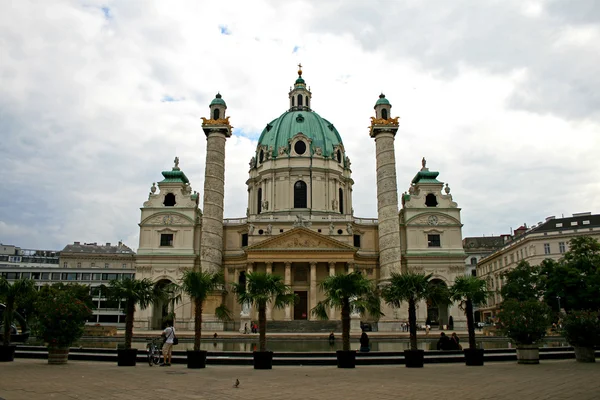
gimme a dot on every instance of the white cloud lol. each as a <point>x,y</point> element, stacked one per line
<point>85,130</point>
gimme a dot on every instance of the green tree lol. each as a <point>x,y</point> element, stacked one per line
<point>525,322</point>
<point>347,292</point>
<point>132,292</point>
<point>575,278</point>
<point>522,283</point>
<point>469,291</point>
<point>407,287</point>
<point>199,285</point>
<point>264,288</point>
<point>11,295</point>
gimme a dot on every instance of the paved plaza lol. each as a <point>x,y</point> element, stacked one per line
<point>34,379</point>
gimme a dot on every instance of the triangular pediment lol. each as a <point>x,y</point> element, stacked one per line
<point>301,239</point>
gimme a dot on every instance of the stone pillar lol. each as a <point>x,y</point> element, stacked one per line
<point>211,244</point>
<point>246,308</point>
<point>332,273</point>
<point>313,289</point>
<point>288,281</point>
<point>350,266</point>
<point>384,131</point>
<point>269,266</point>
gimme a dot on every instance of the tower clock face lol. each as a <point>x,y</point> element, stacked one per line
<point>432,220</point>
<point>168,219</point>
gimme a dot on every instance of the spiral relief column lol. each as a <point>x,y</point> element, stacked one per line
<point>217,130</point>
<point>383,130</point>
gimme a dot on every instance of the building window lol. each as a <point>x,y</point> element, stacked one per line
<point>561,247</point>
<point>78,265</point>
<point>299,100</point>
<point>546,248</point>
<point>473,260</point>
<point>384,114</point>
<point>356,240</point>
<point>300,194</point>
<point>512,258</point>
<point>341,195</point>
<point>65,264</point>
<point>106,265</point>
<point>300,147</point>
<point>473,272</point>
<point>434,241</point>
<point>166,240</point>
<point>169,200</point>
<point>124,266</point>
<point>93,265</point>
<point>259,200</point>
<point>244,239</point>
<point>430,200</point>
<point>216,113</point>
<point>339,156</point>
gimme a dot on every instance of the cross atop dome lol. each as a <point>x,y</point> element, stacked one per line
<point>300,96</point>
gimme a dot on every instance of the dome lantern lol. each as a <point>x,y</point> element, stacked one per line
<point>299,95</point>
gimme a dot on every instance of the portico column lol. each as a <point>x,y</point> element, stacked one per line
<point>350,267</point>
<point>269,265</point>
<point>313,288</point>
<point>288,281</point>
<point>332,273</point>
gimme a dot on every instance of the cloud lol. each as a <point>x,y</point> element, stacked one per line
<point>501,98</point>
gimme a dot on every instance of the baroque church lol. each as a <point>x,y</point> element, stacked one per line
<point>299,222</point>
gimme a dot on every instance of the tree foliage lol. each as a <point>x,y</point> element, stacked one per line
<point>12,295</point>
<point>408,287</point>
<point>522,283</point>
<point>262,289</point>
<point>348,292</point>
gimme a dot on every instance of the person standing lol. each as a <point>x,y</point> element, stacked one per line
<point>169,335</point>
<point>364,343</point>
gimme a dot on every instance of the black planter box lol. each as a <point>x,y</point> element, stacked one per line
<point>473,357</point>
<point>346,359</point>
<point>414,358</point>
<point>196,359</point>
<point>263,360</point>
<point>126,357</point>
<point>7,353</point>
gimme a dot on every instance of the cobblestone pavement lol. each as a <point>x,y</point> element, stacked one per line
<point>35,379</point>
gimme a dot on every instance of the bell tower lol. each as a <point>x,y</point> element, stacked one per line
<point>217,130</point>
<point>383,130</point>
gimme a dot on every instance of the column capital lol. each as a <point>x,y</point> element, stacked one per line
<point>331,264</point>
<point>269,263</point>
<point>313,264</point>
<point>288,264</point>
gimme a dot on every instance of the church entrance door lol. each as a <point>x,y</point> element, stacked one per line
<point>301,308</point>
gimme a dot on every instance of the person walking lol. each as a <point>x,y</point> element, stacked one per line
<point>169,335</point>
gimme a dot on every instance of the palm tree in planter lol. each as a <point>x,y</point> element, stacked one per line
<point>469,291</point>
<point>132,292</point>
<point>263,288</point>
<point>408,287</point>
<point>11,295</point>
<point>199,285</point>
<point>348,292</point>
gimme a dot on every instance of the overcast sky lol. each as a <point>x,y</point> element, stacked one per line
<point>98,97</point>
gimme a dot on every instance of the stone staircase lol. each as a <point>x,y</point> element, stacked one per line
<point>303,326</point>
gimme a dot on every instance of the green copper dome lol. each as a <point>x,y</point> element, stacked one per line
<point>279,131</point>
<point>382,100</point>
<point>218,101</point>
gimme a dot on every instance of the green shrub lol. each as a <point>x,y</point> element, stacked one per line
<point>581,328</point>
<point>524,322</point>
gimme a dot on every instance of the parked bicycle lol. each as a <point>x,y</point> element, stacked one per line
<point>154,348</point>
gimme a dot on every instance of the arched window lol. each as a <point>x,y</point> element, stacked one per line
<point>430,200</point>
<point>259,199</point>
<point>339,156</point>
<point>299,100</point>
<point>242,280</point>
<point>473,260</point>
<point>384,114</point>
<point>169,200</point>
<point>216,113</point>
<point>341,195</point>
<point>300,194</point>
<point>261,156</point>
<point>293,101</point>
<point>306,101</point>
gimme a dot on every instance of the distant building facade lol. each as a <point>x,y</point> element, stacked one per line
<point>549,239</point>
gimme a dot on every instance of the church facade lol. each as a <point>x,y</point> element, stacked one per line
<point>299,222</point>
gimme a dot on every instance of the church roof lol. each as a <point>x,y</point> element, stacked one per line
<point>174,176</point>
<point>218,101</point>
<point>382,100</point>
<point>278,132</point>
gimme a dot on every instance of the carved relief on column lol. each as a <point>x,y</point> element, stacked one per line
<point>246,308</point>
<point>288,281</point>
<point>332,315</point>
<point>313,288</point>
<point>269,266</point>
